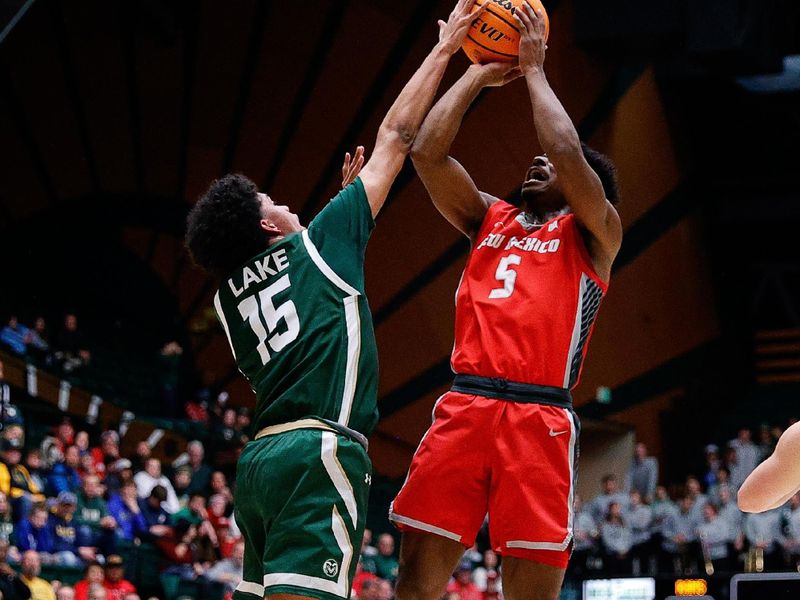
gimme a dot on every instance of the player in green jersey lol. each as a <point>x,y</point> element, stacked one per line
<point>292,304</point>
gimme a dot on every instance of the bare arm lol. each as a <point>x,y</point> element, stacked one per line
<point>402,122</point>
<point>559,139</point>
<point>451,188</point>
<point>776,479</point>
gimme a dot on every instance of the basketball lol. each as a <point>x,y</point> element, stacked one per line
<point>494,36</point>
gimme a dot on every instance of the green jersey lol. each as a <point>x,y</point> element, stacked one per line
<point>299,325</point>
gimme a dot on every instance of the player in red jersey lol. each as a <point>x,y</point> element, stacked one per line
<point>504,439</point>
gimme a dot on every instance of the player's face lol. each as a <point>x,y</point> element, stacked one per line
<point>279,217</point>
<point>540,189</point>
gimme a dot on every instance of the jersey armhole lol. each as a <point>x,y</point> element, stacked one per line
<point>583,251</point>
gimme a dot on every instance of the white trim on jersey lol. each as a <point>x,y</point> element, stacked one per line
<point>424,526</point>
<point>353,324</point>
<point>341,586</point>
<point>338,475</point>
<point>223,320</point>
<point>556,546</point>
<point>576,332</point>
<point>323,266</point>
<point>248,587</point>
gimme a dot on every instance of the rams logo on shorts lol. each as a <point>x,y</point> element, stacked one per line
<point>330,568</point>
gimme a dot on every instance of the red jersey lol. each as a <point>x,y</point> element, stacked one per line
<point>527,301</point>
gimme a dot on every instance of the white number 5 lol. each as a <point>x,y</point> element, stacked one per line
<point>506,275</point>
<point>272,314</point>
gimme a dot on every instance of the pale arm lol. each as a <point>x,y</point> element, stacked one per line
<point>402,122</point>
<point>776,479</point>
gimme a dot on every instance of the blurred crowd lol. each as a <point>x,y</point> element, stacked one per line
<point>73,503</point>
<point>638,526</point>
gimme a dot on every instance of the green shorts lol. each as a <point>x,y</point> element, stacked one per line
<point>301,503</point>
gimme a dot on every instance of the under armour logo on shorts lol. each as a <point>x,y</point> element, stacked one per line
<point>330,568</point>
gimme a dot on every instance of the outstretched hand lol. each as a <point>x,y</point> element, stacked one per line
<point>352,166</point>
<point>532,43</point>
<point>455,30</point>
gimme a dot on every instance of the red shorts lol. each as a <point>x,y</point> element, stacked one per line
<point>514,461</point>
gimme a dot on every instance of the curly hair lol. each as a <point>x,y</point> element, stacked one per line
<point>605,170</point>
<point>223,229</point>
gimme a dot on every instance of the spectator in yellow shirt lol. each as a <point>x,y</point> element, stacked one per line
<point>31,567</point>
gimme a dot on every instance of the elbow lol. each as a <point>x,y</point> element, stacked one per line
<point>568,144</point>
<point>398,136</point>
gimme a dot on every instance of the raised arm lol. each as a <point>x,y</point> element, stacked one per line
<point>559,139</point>
<point>402,122</point>
<point>776,479</point>
<point>450,186</point>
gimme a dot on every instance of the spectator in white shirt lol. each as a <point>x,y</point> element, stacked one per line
<point>642,475</point>
<point>747,457</point>
<point>151,477</point>
<point>598,506</point>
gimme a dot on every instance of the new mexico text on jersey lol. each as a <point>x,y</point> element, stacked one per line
<point>299,325</point>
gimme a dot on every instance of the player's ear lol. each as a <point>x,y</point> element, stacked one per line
<point>270,227</point>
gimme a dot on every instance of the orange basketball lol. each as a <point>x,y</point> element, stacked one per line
<point>494,36</point>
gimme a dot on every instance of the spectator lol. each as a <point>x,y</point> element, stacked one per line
<point>65,592</point>
<point>73,353</point>
<point>106,454</point>
<point>14,336</point>
<point>642,475</point>
<point>86,466</point>
<point>699,499</point>
<point>386,564</point>
<point>715,536</point>
<point>15,480</point>
<point>149,478</point>
<point>155,517</point>
<point>219,485</point>
<point>38,346</point>
<point>762,531</point>
<point>82,442</point>
<point>185,552</point>
<point>197,408</point>
<point>789,537</point>
<point>33,462</point>
<point>33,533</point>
<point>368,588</point>
<point>143,452</point>
<point>94,576</point>
<point>124,507</point>
<point>680,538</point>
<point>243,419</point>
<point>766,443</point>
<point>713,465</point>
<point>598,506</point>
<point>181,481</point>
<point>723,480</point>
<point>118,473</point>
<point>64,476</point>
<point>96,527</point>
<point>462,583</point>
<point>617,541</point>
<point>228,571</point>
<point>31,568</point>
<point>62,527</point>
<point>747,457</point>
<point>201,472</point>
<point>97,592</point>
<point>486,570</point>
<point>385,590</point>
<point>585,535</point>
<point>6,520</point>
<point>638,518</point>
<point>729,510</point>
<point>11,585</point>
<point>115,583</point>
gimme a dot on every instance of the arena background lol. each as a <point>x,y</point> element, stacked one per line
<point>115,116</point>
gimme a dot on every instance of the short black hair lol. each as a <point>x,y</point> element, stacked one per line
<point>606,171</point>
<point>223,230</point>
